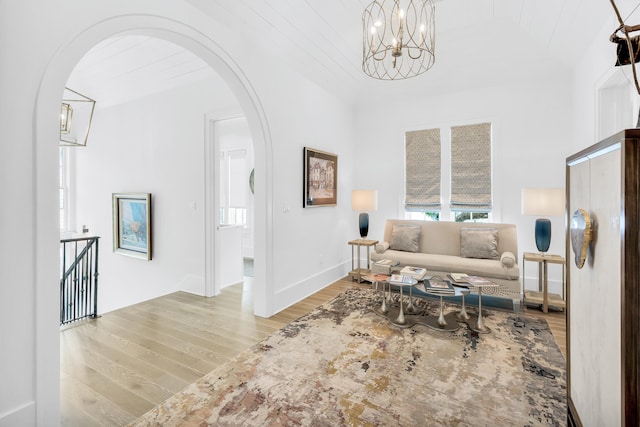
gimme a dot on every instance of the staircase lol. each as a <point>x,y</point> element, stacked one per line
<point>78,279</point>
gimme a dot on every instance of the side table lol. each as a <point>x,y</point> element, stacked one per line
<point>543,296</point>
<point>358,272</point>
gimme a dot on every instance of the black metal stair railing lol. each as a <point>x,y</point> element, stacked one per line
<point>79,279</point>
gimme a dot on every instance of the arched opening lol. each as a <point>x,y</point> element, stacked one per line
<point>45,160</point>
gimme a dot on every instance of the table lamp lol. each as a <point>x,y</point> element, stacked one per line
<point>364,201</point>
<point>543,202</point>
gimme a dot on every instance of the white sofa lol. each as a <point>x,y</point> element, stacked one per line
<point>481,249</point>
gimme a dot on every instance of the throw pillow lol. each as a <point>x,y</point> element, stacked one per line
<point>479,243</point>
<point>405,238</point>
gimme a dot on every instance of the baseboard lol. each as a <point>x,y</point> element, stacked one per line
<point>309,286</point>
<point>192,284</point>
<point>24,415</point>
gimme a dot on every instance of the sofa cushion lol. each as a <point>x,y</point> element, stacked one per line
<point>479,243</point>
<point>489,268</point>
<point>405,238</point>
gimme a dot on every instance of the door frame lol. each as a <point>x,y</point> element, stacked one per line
<point>212,263</point>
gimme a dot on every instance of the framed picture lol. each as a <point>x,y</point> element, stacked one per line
<point>132,224</point>
<point>320,178</point>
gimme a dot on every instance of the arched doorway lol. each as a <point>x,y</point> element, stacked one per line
<point>45,159</point>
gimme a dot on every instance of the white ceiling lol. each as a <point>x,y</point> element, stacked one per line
<point>475,41</point>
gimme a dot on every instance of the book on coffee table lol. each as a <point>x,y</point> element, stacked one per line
<point>402,279</point>
<point>466,280</point>
<point>417,273</point>
<point>383,266</point>
<point>439,286</point>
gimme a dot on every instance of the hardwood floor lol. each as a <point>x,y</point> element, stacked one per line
<point>115,368</point>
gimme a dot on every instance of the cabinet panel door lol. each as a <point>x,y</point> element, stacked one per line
<point>595,292</point>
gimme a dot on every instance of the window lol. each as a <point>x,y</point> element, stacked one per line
<point>234,188</point>
<point>448,173</point>
<point>63,180</point>
<point>423,170</point>
<point>471,168</point>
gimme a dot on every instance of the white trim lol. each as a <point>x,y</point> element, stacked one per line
<point>24,415</point>
<point>46,224</point>
<point>300,290</point>
<point>622,109</point>
<point>212,277</point>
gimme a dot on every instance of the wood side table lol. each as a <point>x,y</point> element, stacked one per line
<point>543,296</point>
<point>358,272</point>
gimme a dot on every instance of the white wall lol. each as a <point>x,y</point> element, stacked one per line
<point>531,137</point>
<point>151,145</point>
<point>311,245</point>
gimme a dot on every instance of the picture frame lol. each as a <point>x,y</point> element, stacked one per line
<point>132,224</point>
<point>320,178</point>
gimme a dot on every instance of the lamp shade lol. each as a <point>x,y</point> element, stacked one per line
<point>364,200</point>
<point>543,201</point>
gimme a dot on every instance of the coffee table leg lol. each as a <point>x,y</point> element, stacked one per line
<point>401,320</point>
<point>411,308</point>
<point>463,312</point>
<point>481,328</point>
<point>384,308</point>
<point>441,320</point>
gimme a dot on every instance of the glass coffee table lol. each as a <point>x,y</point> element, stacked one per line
<point>403,314</point>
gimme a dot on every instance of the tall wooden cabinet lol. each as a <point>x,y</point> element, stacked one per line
<point>603,297</point>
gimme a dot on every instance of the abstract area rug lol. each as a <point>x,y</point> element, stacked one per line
<point>343,365</point>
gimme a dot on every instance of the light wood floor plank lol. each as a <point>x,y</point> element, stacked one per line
<point>143,355</point>
<point>161,344</point>
<point>81,406</point>
<point>162,335</point>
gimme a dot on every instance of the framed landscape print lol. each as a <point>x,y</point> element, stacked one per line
<point>132,224</point>
<point>320,178</point>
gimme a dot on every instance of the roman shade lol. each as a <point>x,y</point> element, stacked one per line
<point>471,168</point>
<point>422,191</point>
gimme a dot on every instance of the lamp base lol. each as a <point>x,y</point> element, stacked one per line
<point>363,221</point>
<point>543,234</point>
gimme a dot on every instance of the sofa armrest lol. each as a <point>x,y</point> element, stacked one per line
<point>381,247</point>
<point>508,259</point>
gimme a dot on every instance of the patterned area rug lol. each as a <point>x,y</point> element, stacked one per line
<point>343,365</point>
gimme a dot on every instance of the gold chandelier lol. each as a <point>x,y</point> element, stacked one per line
<point>398,38</point>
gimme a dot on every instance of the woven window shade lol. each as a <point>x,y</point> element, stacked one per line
<point>422,170</point>
<point>471,168</point>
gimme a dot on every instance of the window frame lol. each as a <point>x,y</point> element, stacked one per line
<point>65,195</point>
